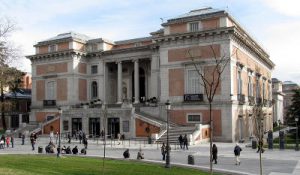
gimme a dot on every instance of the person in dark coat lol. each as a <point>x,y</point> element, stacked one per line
<point>68,150</point>
<point>185,142</point>
<point>12,140</point>
<point>214,153</point>
<point>126,154</point>
<point>23,139</point>
<point>33,140</point>
<point>75,150</point>
<point>237,152</point>
<point>180,140</point>
<point>260,147</point>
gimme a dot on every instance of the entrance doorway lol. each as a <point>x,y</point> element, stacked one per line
<point>76,125</point>
<point>142,85</point>
<point>14,121</point>
<point>113,127</point>
<point>94,127</point>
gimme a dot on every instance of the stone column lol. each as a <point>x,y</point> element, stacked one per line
<point>136,82</point>
<point>119,82</point>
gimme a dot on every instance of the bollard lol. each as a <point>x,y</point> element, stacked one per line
<point>191,160</point>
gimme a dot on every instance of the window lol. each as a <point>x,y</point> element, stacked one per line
<point>94,69</point>
<point>125,126</point>
<point>264,89</point>
<point>193,82</point>
<point>51,90</point>
<point>52,48</point>
<point>240,82</point>
<point>94,47</point>
<point>194,26</point>
<point>250,86</point>
<point>194,118</point>
<point>66,125</point>
<point>257,88</point>
<point>94,89</point>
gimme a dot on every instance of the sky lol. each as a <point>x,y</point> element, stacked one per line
<point>272,23</point>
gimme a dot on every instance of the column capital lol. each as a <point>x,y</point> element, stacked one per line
<point>118,62</point>
<point>135,60</point>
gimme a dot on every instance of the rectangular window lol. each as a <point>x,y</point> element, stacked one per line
<point>66,125</point>
<point>250,86</point>
<point>240,82</point>
<point>125,126</point>
<point>194,26</point>
<point>194,118</point>
<point>257,89</point>
<point>53,48</point>
<point>94,69</point>
<point>193,82</point>
<point>51,90</point>
<point>264,89</point>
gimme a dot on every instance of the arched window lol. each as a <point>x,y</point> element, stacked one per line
<point>94,89</point>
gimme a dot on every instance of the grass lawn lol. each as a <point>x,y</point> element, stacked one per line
<point>44,165</point>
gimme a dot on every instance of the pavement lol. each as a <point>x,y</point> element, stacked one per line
<point>275,162</point>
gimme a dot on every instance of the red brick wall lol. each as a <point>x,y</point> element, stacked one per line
<point>178,28</point>
<point>62,89</point>
<point>176,82</point>
<point>179,117</point>
<point>82,68</point>
<point>51,68</point>
<point>185,54</point>
<point>140,128</point>
<point>55,125</point>
<point>40,90</point>
<point>82,89</point>
<point>41,116</point>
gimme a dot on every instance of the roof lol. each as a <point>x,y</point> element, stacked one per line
<point>133,40</point>
<point>197,13</point>
<point>68,35</point>
<point>20,94</point>
<point>289,83</point>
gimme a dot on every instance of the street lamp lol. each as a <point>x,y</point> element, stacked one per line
<point>168,107</point>
<point>297,144</point>
<point>59,142</point>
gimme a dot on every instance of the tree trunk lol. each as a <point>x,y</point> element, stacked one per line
<point>210,140</point>
<point>2,108</point>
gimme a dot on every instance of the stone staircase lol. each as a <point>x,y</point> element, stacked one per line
<point>31,126</point>
<point>174,133</point>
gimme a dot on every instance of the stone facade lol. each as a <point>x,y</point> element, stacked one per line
<point>159,66</point>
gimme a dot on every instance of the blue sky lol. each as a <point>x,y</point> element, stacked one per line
<point>273,23</point>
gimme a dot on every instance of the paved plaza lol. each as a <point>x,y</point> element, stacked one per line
<point>274,161</point>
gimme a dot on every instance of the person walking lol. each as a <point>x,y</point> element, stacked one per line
<point>23,139</point>
<point>69,137</point>
<point>260,147</point>
<point>214,153</point>
<point>33,140</point>
<point>180,140</point>
<point>185,142</point>
<point>237,152</point>
<point>7,141</point>
<point>163,151</point>
<point>12,141</point>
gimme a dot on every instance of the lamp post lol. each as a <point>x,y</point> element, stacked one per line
<point>59,141</point>
<point>168,107</point>
<point>297,144</point>
<point>279,125</point>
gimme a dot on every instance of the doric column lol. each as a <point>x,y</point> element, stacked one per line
<point>136,82</point>
<point>119,82</point>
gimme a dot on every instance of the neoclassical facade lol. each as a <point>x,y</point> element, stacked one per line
<point>135,77</point>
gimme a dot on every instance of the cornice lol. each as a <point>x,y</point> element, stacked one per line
<point>198,34</point>
<point>55,55</point>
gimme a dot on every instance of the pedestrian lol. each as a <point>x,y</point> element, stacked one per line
<point>51,135</point>
<point>80,136</point>
<point>7,141</point>
<point>140,155</point>
<point>85,142</point>
<point>214,153</point>
<point>163,151</point>
<point>75,150</point>
<point>69,137</point>
<point>185,142</point>
<point>180,140</point>
<point>119,138</point>
<point>23,139</point>
<point>12,141</point>
<point>56,137</point>
<point>237,152</point>
<point>126,154</point>
<point>260,147</point>
<point>33,140</point>
<point>3,138</point>
<point>102,134</point>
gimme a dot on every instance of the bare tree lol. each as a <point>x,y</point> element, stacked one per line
<point>8,53</point>
<point>210,79</point>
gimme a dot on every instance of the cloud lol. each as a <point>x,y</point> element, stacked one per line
<point>285,7</point>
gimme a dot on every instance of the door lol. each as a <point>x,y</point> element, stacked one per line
<point>76,125</point>
<point>113,127</point>
<point>94,127</point>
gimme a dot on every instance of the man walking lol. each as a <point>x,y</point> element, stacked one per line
<point>33,140</point>
<point>23,139</point>
<point>237,152</point>
<point>185,142</point>
<point>163,151</point>
<point>180,140</point>
<point>214,153</point>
